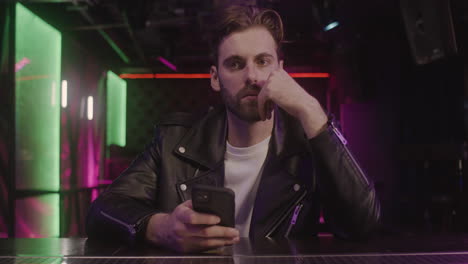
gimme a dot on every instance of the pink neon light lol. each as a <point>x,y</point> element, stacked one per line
<point>325,235</point>
<point>20,64</point>
<point>91,180</point>
<point>167,63</point>
<point>94,195</point>
<point>321,220</point>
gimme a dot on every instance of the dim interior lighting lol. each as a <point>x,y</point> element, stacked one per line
<point>331,26</point>
<point>116,121</point>
<point>32,77</point>
<point>207,76</point>
<point>82,107</point>
<point>90,108</point>
<point>64,93</point>
<point>114,46</point>
<point>37,49</point>
<point>167,63</point>
<point>53,95</point>
<point>20,64</point>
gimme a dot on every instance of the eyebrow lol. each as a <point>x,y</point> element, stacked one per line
<point>264,54</point>
<point>237,57</point>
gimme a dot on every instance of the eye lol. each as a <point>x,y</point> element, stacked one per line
<point>263,62</point>
<point>234,65</point>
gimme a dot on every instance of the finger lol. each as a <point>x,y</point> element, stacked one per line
<point>188,216</point>
<point>267,107</point>
<point>281,62</point>
<point>200,243</point>
<point>188,204</point>
<point>271,106</point>
<point>215,231</point>
<point>261,100</point>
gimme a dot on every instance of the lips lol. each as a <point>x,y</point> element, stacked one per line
<point>250,93</point>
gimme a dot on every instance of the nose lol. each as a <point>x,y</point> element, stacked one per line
<point>252,73</point>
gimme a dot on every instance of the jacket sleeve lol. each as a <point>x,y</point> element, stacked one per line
<point>350,204</point>
<point>122,211</point>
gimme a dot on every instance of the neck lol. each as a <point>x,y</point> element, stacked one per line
<point>245,134</point>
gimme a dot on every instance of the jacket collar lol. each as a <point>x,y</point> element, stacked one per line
<point>205,142</point>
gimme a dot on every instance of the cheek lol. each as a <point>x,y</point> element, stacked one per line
<point>266,71</point>
<point>232,81</point>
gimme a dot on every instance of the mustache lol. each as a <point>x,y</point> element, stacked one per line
<point>249,89</point>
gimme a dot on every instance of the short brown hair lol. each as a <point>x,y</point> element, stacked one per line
<point>236,18</point>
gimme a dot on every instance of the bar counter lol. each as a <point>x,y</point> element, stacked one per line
<point>448,248</point>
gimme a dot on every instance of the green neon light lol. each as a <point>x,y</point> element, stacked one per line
<point>116,110</point>
<point>39,217</point>
<point>114,46</point>
<point>37,110</point>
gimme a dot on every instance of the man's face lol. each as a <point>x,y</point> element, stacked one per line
<point>245,61</point>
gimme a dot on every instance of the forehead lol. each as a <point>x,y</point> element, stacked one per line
<point>247,43</point>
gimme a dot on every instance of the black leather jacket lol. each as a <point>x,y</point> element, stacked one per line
<point>300,178</point>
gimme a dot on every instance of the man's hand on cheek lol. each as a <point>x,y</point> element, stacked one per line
<point>281,89</point>
<point>185,230</point>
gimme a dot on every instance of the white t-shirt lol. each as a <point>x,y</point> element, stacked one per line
<point>242,170</point>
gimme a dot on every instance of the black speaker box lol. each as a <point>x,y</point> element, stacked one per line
<point>430,30</point>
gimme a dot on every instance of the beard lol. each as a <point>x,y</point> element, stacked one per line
<point>246,110</point>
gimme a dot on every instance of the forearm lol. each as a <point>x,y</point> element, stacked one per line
<point>312,117</point>
<point>117,217</point>
<point>350,199</point>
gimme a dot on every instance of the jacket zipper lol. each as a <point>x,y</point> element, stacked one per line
<point>283,217</point>
<point>130,228</point>
<point>350,156</point>
<point>338,134</point>
<point>293,219</point>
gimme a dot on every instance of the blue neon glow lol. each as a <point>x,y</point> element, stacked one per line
<point>332,25</point>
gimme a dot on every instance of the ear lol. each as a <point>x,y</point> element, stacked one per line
<point>214,78</point>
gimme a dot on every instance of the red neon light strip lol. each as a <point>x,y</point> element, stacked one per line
<point>182,76</point>
<point>310,75</point>
<point>207,76</point>
<point>32,77</point>
<point>136,76</point>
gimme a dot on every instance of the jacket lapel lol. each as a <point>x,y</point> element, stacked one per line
<point>204,146</point>
<point>205,142</point>
<point>278,189</point>
<point>212,177</point>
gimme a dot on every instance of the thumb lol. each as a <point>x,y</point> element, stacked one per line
<point>188,204</point>
<point>281,64</point>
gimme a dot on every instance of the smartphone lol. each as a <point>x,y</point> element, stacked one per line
<point>218,201</point>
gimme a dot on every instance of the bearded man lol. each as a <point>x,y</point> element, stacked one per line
<point>271,143</point>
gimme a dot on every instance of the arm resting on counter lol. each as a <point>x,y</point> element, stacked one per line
<point>350,203</point>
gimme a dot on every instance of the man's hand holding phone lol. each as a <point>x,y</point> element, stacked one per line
<point>185,230</point>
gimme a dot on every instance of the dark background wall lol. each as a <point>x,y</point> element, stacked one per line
<point>404,121</point>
